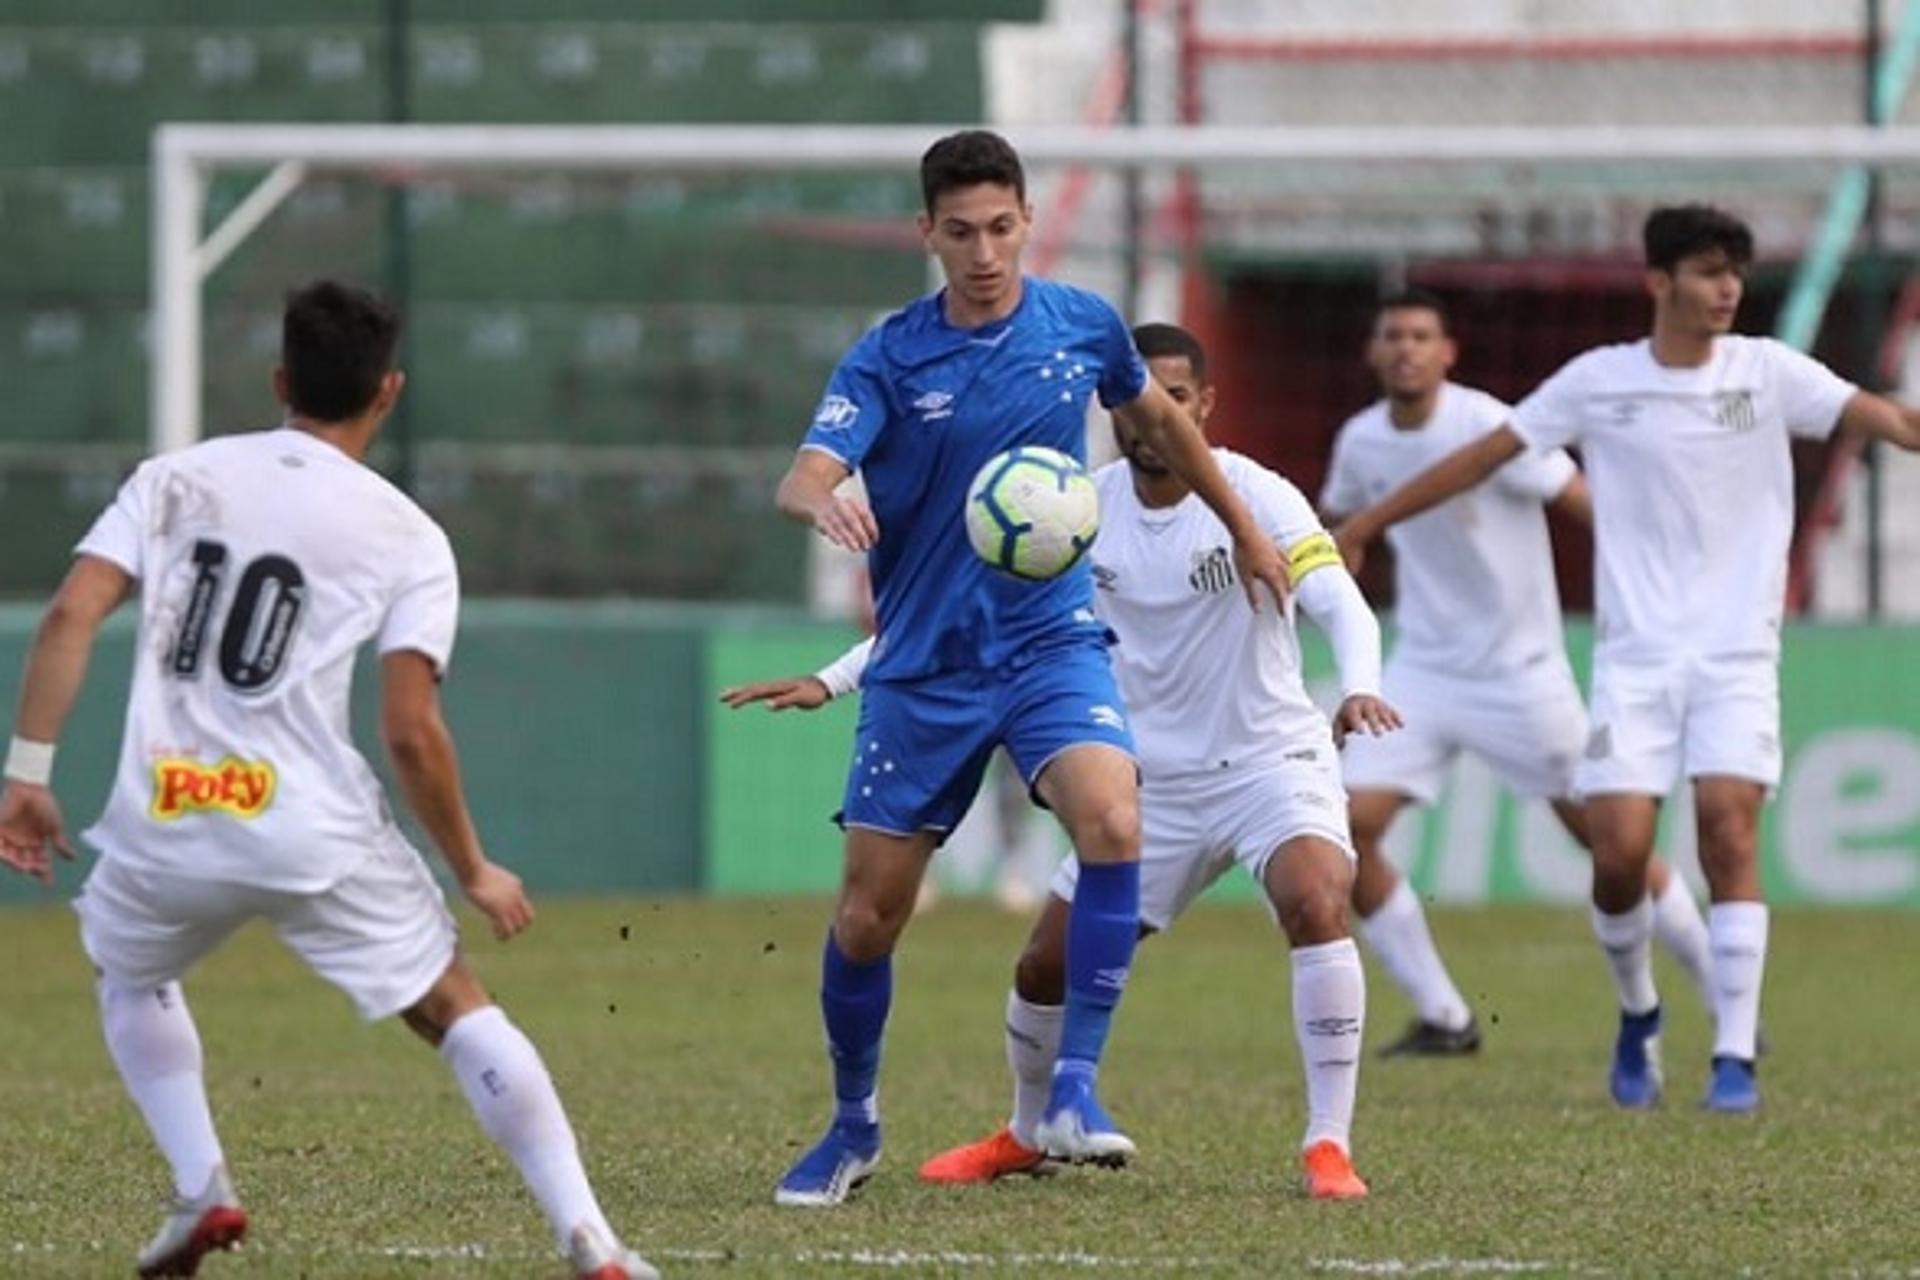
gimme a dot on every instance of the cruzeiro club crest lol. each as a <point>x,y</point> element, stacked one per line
<point>1212,571</point>
<point>1734,410</point>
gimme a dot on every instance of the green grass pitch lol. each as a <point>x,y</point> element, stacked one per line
<point>685,1039</point>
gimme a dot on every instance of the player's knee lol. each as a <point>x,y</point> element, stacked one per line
<point>1315,911</point>
<point>1728,838</point>
<point>1111,834</point>
<point>1040,977</point>
<point>865,929</point>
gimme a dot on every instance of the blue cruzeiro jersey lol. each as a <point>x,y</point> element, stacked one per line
<point>917,407</point>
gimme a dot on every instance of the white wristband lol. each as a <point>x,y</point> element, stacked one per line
<point>30,762</point>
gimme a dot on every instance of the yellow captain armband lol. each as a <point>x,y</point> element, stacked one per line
<point>1317,551</point>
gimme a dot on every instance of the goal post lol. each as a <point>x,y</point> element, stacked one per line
<point>185,158</point>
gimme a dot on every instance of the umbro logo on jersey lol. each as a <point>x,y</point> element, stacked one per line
<point>1108,716</point>
<point>1105,578</point>
<point>935,405</point>
<point>836,413</point>
<point>1734,410</point>
<point>1212,571</point>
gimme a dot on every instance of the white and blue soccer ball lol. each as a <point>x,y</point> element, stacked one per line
<point>1032,512</point>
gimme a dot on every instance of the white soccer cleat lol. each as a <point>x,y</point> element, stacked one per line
<point>1076,1127</point>
<point>210,1221</point>
<point>594,1257</point>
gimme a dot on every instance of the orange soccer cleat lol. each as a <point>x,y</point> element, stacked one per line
<point>983,1161</point>
<point>1329,1173</point>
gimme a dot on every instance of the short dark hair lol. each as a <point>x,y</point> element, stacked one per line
<point>1156,341</point>
<point>336,344</point>
<point>1415,298</point>
<point>967,159</point>
<point>1674,232</point>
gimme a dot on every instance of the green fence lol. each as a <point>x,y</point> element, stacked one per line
<point>598,758</point>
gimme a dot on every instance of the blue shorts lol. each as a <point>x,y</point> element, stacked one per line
<point>923,745</point>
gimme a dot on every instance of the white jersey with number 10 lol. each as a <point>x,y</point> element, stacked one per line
<point>265,562</point>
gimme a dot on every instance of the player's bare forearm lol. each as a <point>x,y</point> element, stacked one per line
<point>63,646</point>
<point>1454,474</point>
<point>808,493</point>
<point>425,761</point>
<point>1879,418</point>
<point>428,768</point>
<point>1165,427</point>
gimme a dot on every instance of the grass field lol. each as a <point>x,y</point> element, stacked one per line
<point>685,1039</point>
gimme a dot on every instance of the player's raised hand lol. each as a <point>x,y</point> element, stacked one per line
<point>1364,713</point>
<point>803,693</point>
<point>501,898</point>
<point>846,522</point>
<point>1352,541</point>
<point>1257,560</point>
<point>32,830</point>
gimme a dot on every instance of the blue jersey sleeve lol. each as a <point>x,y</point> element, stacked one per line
<point>1123,374</point>
<point>855,409</point>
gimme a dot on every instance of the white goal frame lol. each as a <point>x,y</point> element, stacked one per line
<point>186,156</point>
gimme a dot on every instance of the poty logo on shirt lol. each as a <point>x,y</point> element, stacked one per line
<point>836,413</point>
<point>935,405</point>
<point>237,788</point>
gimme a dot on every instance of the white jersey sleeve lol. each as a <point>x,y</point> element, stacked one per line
<point>1537,474</point>
<point>1553,417</point>
<point>425,609</point>
<point>1343,494</point>
<point>1811,395</point>
<point>119,534</point>
<point>1282,511</point>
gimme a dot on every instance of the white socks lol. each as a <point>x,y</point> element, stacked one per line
<point>511,1093</point>
<point>154,1043</point>
<point>1628,941</point>
<point>1739,932</point>
<point>1033,1042</point>
<point>1679,927</point>
<point>1397,932</point>
<point>1329,1013</point>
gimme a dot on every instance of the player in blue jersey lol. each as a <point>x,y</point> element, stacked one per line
<point>966,659</point>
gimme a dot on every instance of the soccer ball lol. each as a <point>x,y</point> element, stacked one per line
<point>1032,512</point>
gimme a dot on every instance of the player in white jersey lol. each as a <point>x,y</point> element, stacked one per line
<point>1236,762</point>
<point>264,562</point>
<point>1685,438</point>
<point>1479,663</point>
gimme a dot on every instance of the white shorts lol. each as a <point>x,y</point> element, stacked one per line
<point>1192,830</point>
<point>1530,726</point>
<point>1656,722</point>
<point>383,934</point>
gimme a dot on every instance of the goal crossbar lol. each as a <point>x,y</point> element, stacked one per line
<point>185,156</point>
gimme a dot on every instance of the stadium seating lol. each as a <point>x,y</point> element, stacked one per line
<point>692,322</point>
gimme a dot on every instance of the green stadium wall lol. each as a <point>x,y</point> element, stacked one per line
<point>599,759</point>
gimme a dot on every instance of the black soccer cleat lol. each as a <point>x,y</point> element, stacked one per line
<point>1431,1040</point>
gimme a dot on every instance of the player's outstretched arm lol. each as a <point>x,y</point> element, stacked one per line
<point>31,827</point>
<point>1165,427</point>
<point>1879,418</point>
<point>805,693</point>
<point>1459,471</point>
<point>428,767</point>
<point>1328,594</point>
<point>808,493</point>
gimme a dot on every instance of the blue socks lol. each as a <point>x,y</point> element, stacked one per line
<point>854,999</point>
<point>1101,934</point>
